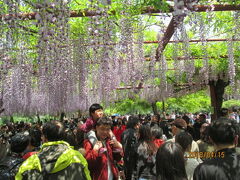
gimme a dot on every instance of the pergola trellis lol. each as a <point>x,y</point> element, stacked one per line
<point>175,21</point>
<point>147,10</point>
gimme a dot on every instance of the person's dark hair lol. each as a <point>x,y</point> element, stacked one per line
<point>80,138</point>
<point>70,138</point>
<point>147,118</point>
<point>104,121</point>
<point>223,132</point>
<point>124,120</point>
<point>224,112</point>
<point>19,142</point>
<point>4,147</point>
<point>132,121</point>
<point>202,118</point>
<point>157,132</point>
<point>184,139</point>
<point>170,162</point>
<point>238,124</point>
<point>204,132</point>
<point>202,115</point>
<point>35,136</point>
<point>186,118</point>
<point>119,121</point>
<point>145,135</point>
<point>53,130</point>
<point>94,107</point>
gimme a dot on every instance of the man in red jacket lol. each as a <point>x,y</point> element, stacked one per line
<point>103,156</point>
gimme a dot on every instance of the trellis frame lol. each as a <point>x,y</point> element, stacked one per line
<point>165,39</point>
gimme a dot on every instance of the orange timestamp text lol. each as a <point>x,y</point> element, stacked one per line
<point>204,155</point>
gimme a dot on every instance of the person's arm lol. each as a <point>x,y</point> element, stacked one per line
<point>117,150</point>
<point>87,126</point>
<point>112,135</point>
<point>92,153</point>
<point>91,135</point>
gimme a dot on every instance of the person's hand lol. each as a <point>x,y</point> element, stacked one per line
<point>97,146</point>
<point>111,135</point>
<point>115,143</point>
<point>122,175</point>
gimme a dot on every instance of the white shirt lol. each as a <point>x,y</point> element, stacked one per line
<point>110,174</point>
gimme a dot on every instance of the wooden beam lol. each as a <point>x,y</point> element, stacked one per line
<point>131,87</point>
<point>217,7</point>
<point>182,58</point>
<point>158,42</point>
<point>184,85</point>
<point>147,10</point>
<point>193,40</point>
<point>32,15</point>
<point>188,90</point>
<point>145,42</point>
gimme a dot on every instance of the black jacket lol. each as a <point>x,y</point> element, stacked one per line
<point>9,167</point>
<point>144,163</point>
<point>225,166</point>
<point>129,140</point>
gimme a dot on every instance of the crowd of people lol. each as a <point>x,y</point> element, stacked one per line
<point>137,147</point>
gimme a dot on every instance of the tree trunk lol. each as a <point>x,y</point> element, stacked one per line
<point>154,108</point>
<point>163,106</point>
<point>38,118</point>
<point>62,115</point>
<point>11,119</point>
<point>216,91</point>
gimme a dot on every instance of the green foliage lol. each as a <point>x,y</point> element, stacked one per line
<point>157,81</point>
<point>78,27</point>
<point>195,102</point>
<point>223,22</point>
<point>129,106</point>
<point>231,103</point>
<point>30,119</point>
<point>157,4</point>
